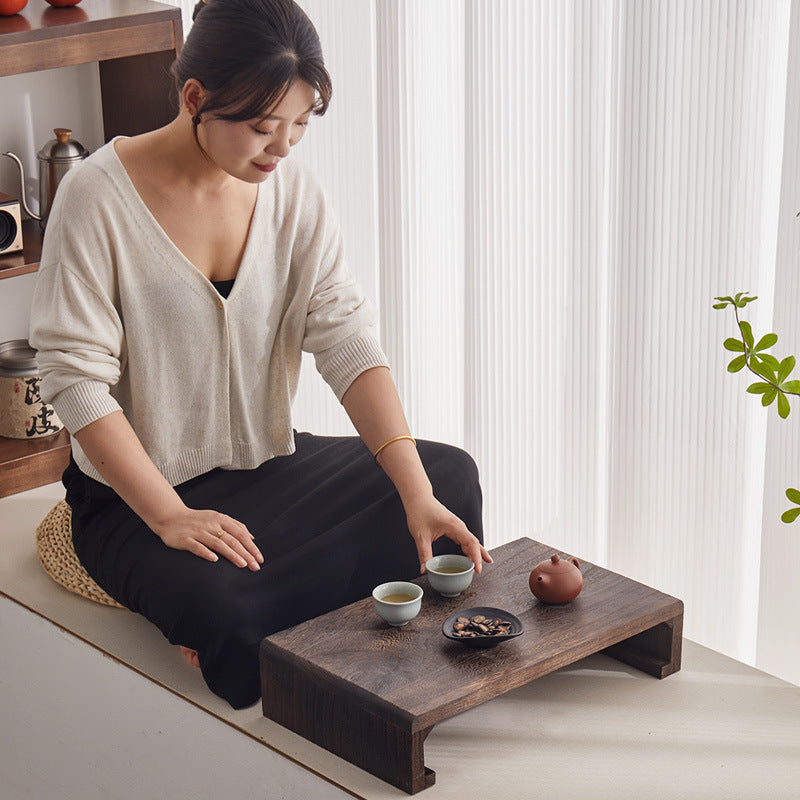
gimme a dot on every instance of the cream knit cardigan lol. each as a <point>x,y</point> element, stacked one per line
<point>122,320</point>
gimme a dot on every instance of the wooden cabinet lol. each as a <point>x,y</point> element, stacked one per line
<point>134,43</point>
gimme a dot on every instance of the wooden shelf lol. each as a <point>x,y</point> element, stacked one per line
<point>32,462</point>
<point>97,30</point>
<point>134,43</point>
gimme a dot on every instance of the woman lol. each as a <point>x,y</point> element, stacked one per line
<point>183,273</point>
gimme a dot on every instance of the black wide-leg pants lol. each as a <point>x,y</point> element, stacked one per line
<point>327,520</point>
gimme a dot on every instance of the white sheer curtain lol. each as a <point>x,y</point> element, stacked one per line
<point>544,196</point>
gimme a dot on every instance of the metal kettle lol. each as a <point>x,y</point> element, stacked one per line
<point>55,159</point>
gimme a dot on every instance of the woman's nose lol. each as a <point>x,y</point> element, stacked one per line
<point>281,144</point>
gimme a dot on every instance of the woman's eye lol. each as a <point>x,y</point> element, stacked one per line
<point>263,133</point>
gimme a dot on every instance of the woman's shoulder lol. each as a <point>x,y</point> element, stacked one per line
<point>90,182</point>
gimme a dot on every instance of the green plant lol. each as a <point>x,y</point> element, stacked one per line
<point>774,375</point>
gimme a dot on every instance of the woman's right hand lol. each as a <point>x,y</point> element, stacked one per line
<point>117,454</point>
<point>209,534</point>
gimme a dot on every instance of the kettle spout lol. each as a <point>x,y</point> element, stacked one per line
<point>22,186</point>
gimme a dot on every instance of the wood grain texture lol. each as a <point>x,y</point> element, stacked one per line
<point>370,693</point>
<point>34,462</point>
<point>144,86</point>
<point>95,30</point>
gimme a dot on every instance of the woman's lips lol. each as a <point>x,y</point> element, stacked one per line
<point>265,167</point>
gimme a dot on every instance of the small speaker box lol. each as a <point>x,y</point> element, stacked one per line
<point>10,224</point>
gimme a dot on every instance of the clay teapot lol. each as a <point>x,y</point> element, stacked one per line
<point>556,580</point>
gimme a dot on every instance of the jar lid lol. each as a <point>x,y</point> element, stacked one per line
<point>17,359</point>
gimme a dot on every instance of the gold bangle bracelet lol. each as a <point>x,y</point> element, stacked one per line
<point>396,439</point>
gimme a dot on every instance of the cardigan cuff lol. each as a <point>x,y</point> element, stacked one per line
<point>342,364</point>
<point>83,403</point>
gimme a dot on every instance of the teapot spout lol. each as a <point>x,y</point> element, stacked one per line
<point>22,186</point>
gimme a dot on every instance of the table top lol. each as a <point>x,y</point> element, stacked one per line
<point>416,677</point>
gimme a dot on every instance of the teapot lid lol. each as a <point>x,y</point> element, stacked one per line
<point>556,564</point>
<point>62,148</point>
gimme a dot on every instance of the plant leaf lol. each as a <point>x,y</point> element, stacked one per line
<point>736,364</point>
<point>758,388</point>
<point>766,341</point>
<point>747,333</point>
<point>769,360</point>
<point>792,387</point>
<point>793,495</point>
<point>791,515</point>
<point>762,369</point>
<point>726,298</point>
<point>783,406</point>
<point>787,365</point>
<point>734,345</point>
<point>747,300</point>
<point>720,305</point>
<point>769,396</point>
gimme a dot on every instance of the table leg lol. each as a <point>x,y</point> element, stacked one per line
<point>656,651</point>
<point>347,725</point>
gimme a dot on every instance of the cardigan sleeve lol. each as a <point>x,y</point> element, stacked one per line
<point>340,321</point>
<point>75,326</point>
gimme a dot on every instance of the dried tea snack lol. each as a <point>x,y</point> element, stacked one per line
<point>482,626</point>
<point>479,625</point>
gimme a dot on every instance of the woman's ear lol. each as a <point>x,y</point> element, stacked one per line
<point>193,96</point>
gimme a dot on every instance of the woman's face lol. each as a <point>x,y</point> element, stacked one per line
<point>252,149</point>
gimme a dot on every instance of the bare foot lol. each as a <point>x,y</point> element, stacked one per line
<point>190,656</point>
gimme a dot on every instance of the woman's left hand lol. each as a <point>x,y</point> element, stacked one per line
<point>428,520</point>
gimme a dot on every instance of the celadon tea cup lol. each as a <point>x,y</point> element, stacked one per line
<point>450,574</point>
<point>397,602</point>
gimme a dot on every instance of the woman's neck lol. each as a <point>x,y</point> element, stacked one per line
<point>177,155</point>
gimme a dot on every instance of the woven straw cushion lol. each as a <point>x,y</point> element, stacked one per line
<point>57,556</point>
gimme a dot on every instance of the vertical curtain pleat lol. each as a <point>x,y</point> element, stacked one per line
<point>421,199</point>
<point>698,213</point>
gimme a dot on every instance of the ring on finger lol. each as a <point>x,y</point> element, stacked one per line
<point>220,533</point>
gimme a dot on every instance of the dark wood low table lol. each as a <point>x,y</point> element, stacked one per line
<point>371,693</point>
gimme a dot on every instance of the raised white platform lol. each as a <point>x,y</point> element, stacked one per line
<point>95,703</point>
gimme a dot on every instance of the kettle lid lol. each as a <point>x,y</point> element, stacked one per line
<point>62,148</point>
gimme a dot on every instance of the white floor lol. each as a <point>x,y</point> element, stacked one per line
<point>95,704</point>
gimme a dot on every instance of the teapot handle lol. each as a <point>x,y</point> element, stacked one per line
<point>574,561</point>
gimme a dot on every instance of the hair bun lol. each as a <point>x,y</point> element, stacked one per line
<point>199,6</point>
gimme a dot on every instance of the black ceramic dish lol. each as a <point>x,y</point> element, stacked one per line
<point>515,630</point>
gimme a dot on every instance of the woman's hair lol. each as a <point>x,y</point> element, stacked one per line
<point>247,54</point>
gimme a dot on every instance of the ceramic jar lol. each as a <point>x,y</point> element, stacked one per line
<point>23,413</point>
